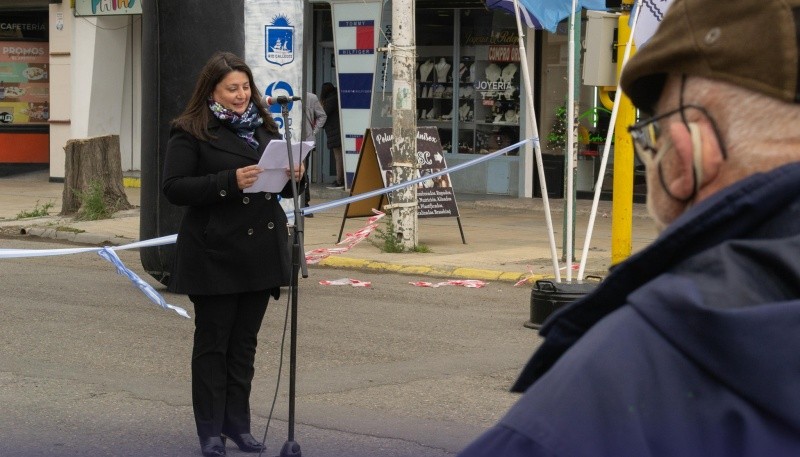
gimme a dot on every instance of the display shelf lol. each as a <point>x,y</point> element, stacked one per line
<point>481,95</point>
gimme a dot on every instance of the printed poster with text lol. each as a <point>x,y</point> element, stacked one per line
<point>355,37</point>
<point>24,82</point>
<point>435,196</point>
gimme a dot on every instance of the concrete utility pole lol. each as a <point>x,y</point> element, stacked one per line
<point>404,122</point>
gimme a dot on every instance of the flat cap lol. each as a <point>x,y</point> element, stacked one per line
<point>747,43</point>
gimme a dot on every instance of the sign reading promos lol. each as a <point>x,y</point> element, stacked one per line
<point>273,49</point>
<point>24,82</point>
<point>435,196</point>
<point>355,31</point>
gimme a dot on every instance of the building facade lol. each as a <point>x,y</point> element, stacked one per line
<point>73,70</point>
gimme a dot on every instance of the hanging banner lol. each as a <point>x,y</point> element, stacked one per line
<point>650,17</point>
<point>273,41</point>
<point>356,27</point>
<point>106,7</point>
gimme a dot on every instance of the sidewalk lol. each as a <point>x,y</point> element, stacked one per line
<point>506,237</point>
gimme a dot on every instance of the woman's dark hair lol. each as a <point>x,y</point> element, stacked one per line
<point>326,90</point>
<point>196,115</point>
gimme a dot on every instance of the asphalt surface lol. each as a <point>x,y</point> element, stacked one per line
<point>90,367</point>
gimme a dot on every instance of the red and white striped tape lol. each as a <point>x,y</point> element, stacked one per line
<point>471,283</point>
<point>346,282</point>
<point>315,256</point>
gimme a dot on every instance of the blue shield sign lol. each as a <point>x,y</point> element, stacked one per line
<point>279,44</point>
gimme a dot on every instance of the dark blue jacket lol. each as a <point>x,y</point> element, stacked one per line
<point>689,348</point>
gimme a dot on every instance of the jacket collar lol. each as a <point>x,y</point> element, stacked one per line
<point>226,140</point>
<point>760,197</point>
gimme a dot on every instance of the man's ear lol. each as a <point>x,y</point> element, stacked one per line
<point>698,156</point>
<point>680,179</point>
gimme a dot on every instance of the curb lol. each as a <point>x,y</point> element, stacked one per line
<point>423,270</point>
<point>77,237</point>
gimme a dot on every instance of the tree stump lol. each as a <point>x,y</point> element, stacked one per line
<point>93,165</point>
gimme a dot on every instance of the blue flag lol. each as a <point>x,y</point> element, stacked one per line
<point>551,12</point>
<point>508,5</point>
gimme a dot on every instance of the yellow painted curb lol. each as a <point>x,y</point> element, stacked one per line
<point>461,273</point>
<point>131,182</point>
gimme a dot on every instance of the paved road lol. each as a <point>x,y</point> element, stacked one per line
<point>90,367</point>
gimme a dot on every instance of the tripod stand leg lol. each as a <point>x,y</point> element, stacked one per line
<point>290,449</point>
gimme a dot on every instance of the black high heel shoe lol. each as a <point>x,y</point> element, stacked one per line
<point>246,442</point>
<point>212,446</point>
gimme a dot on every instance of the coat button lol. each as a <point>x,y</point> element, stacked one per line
<point>268,196</point>
<point>246,200</point>
<point>249,231</point>
<point>222,193</point>
<point>270,226</point>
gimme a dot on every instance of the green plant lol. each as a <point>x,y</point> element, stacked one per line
<point>595,113</point>
<point>388,241</point>
<point>557,138</point>
<point>597,138</point>
<point>385,239</point>
<point>37,211</point>
<point>93,203</point>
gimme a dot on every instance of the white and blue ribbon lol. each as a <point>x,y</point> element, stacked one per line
<point>146,289</point>
<point>111,256</point>
<point>385,190</point>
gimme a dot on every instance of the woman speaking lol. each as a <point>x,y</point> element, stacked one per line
<point>232,252</point>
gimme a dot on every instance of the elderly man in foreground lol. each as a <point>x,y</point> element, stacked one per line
<point>692,346</point>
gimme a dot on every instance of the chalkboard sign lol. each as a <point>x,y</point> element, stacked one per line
<point>435,196</point>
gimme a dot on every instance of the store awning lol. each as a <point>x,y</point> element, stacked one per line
<point>508,5</point>
<point>545,14</point>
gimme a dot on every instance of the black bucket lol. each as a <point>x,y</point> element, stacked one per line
<point>548,296</point>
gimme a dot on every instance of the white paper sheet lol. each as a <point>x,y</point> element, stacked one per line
<point>275,162</point>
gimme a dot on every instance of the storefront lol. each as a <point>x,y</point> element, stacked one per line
<point>67,75</point>
<point>24,87</point>
<point>470,86</point>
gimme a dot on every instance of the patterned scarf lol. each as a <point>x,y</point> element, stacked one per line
<point>243,125</point>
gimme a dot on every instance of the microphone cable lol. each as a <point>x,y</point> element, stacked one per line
<point>280,369</point>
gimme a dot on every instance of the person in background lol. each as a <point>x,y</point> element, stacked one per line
<point>690,347</point>
<point>314,118</point>
<point>232,252</point>
<point>330,102</point>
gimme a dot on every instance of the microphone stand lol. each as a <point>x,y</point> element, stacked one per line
<point>290,447</point>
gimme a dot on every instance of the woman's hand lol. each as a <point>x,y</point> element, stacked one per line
<point>298,174</point>
<point>246,176</point>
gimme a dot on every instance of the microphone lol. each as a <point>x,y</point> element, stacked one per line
<point>281,100</point>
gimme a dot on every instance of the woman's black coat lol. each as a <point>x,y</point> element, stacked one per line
<point>229,241</point>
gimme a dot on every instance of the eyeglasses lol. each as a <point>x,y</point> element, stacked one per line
<point>645,133</point>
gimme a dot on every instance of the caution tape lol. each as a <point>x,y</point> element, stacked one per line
<point>315,256</point>
<point>346,282</point>
<point>469,283</point>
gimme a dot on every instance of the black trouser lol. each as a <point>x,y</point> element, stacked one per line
<point>226,327</point>
<point>308,180</point>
